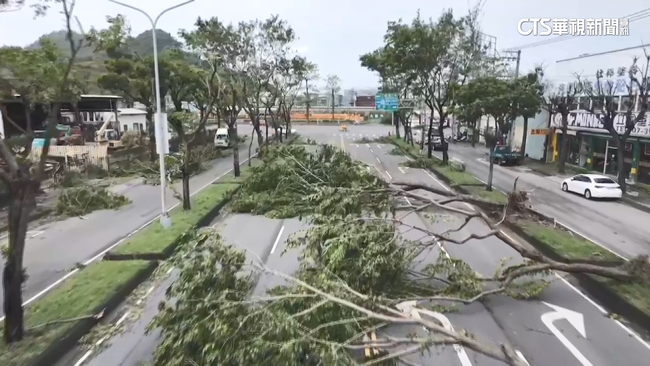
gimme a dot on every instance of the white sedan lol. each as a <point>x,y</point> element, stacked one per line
<point>592,186</point>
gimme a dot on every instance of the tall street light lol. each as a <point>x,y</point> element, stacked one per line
<point>165,220</point>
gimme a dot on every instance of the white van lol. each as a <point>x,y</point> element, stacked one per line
<point>221,138</point>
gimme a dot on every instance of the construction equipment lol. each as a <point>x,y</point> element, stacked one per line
<point>108,136</point>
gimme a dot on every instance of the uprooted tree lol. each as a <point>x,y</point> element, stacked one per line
<point>44,78</point>
<point>356,271</point>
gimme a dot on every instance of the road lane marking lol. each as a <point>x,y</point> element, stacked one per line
<point>277,240</point>
<point>388,174</point>
<point>576,290</point>
<point>401,170</point>
<point>368,146</point>
<point>145,295</point>
<point>483,161</point>
<point>521,355</point>
<point>103,252</point>
<point>379,161</point>
<point>378,146</point>
<point>575,319</point>
<point>605,312</point>
<point>372,152</point>
<point>356,145</point>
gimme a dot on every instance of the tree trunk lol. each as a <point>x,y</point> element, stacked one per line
<point>565,144</point>
<point>185,181</point>
<point>250,145</point>
<point>307,105</point>
<point>443,141</point>
<point>232,135</point>
<point>22,202</point>
<point>332,105</point>
<point>429,142</point>
<point>525,137</point>
<point>396,123</point>
<point>491,171</point>
<point>620,160</point>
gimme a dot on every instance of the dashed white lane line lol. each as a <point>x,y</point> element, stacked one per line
<point>356,145</point>
<point>368,146</point>
<point>388,174</point>
<point>378,146</point>
<point>379,161</point>
<point>102,253</point>
<point>401,170</point>
<point>575,289</point>
<point>521,355</point>
<point>277,240</point>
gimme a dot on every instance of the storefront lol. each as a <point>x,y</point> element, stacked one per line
<point>592,147</point>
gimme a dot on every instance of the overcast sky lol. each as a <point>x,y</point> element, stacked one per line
<point>334,33</point>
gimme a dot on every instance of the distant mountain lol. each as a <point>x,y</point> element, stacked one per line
<point>90,64</point>
<point>142,44</point>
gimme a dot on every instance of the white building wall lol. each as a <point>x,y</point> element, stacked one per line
<point>534,143</point>
<point>132,122</point>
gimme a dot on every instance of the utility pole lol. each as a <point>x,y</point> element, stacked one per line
<point>513,55</point>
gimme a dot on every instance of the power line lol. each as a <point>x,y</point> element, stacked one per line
<point>601,53</point>
<point>642,14</point>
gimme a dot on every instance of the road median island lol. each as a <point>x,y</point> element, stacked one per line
<point>55,322</point>
<point>155,243</point>
<point>629,300</point>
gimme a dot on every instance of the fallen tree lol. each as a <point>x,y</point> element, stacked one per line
<point>355,271</point>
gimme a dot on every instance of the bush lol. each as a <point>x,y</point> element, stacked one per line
<point>386,119</point>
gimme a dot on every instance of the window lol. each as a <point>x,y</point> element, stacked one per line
<point>126,128</point>
<point>597,104</point>
<point>584,103</point>
<point>646,149</point>
<point>628,146</point>
<point>604,181</point>
<point>626,104</point>
<point>141,127</point>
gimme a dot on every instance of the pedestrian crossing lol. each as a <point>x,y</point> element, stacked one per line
<point>357,136</point>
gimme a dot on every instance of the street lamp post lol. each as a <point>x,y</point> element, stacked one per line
<point>165,220</point>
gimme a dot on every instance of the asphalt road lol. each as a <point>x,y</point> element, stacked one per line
<point>563,328</point>
<point>614,225</point>
<point>53,250</point>
<point>263,240</point>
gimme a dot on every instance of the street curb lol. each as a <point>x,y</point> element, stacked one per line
<point>601,292</point>
<point>632,203</point>
<point>168,251</point>
<point>59,348</point>
<point>605,296</point>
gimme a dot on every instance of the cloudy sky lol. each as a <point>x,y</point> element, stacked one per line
<point>334,33</point>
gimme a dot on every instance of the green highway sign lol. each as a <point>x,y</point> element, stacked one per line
<point>386,102</point>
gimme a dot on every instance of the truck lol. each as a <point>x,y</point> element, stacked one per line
<point>503,155</point>
<point>108,136</point>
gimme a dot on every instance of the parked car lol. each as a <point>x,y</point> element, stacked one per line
<point>592,186</point>
<point>503,155</point>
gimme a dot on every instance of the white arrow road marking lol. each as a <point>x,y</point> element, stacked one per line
<point>575,319</point>
<point>409,307</point>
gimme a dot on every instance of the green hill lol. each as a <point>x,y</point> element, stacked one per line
<point>90,64</point>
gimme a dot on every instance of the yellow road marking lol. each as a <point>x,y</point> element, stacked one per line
<point>373,338</point>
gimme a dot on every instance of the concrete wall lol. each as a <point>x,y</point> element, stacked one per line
<point>534,143</point>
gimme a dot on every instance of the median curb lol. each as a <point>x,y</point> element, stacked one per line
<point>59,348</point>
<point>600,291</point>
<point>169,250</point>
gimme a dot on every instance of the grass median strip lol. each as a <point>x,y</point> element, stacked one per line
<point>572,246</point>
<point>77,297</point>
<point>155,239</point>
